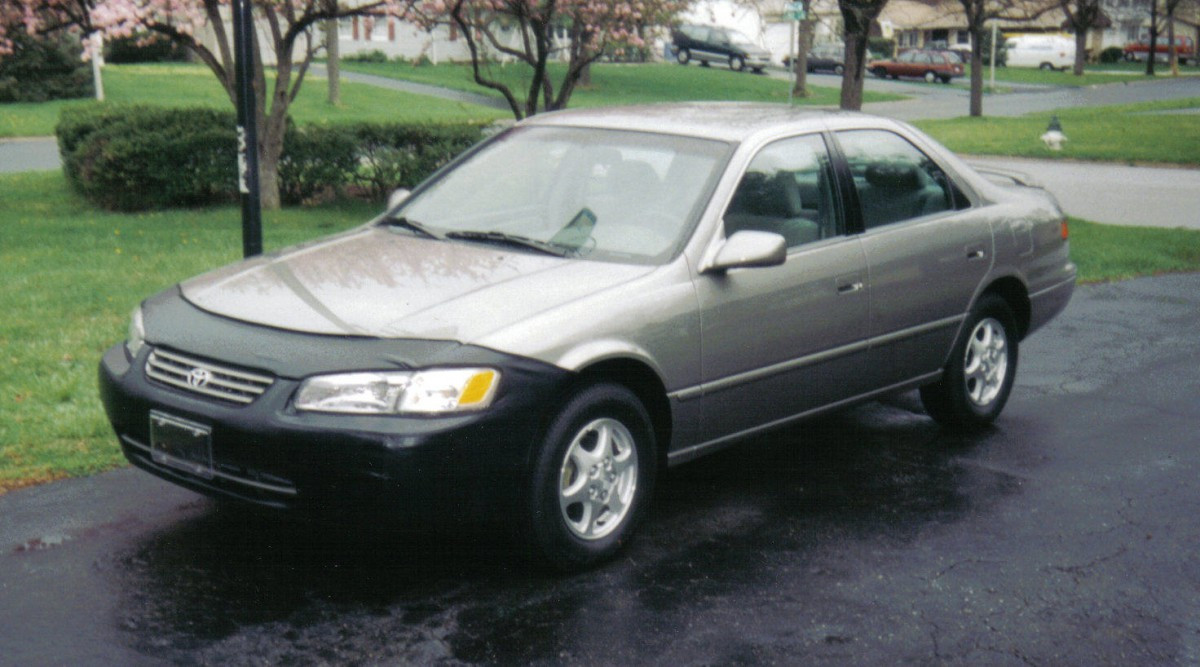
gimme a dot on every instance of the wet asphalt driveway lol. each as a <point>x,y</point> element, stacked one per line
<point>1068,534</point>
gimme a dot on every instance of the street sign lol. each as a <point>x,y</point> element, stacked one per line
<point>794,11</point>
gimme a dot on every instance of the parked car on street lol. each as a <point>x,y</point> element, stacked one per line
<point>1046,52</point>
<point>927,64</point>
<point>1185,49</point>
<point>537,331</point>
<point>824,58</point>
<point>709,44</point>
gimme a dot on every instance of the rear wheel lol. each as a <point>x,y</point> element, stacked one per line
<point>930,77</point>
<point>976,383</point>
<point>593,477</point>
<point>737,64</point>
<point>683,56</point>
<point>839,70</point>
<point>1047,67</point>
<point>880,72</point>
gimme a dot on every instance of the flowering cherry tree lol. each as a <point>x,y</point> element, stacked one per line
<point>285,28</point>
<point>532,32</point>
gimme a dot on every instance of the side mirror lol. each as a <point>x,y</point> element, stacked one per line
<point>397,197</point>
<point>749,249</point>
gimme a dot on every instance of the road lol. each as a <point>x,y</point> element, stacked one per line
<point>1114,193</point>
<point>1068,534</point>
<point>1100,192</point>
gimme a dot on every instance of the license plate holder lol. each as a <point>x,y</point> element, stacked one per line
<point>181,444</point>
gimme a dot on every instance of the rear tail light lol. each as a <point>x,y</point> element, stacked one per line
<point>1063,229</point>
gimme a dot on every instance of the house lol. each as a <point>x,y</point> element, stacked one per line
<point>918,23</point>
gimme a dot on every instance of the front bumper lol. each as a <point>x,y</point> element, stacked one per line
<point>270,454</point>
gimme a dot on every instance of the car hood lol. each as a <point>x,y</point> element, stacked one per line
<point>383,283</point>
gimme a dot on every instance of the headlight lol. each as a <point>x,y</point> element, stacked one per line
<point>135,340</point>
<point>435,391</point>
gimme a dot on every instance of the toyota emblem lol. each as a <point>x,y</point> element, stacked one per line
<point>198,377</point>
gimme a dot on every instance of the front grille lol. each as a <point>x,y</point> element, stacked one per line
<point>205,377</point>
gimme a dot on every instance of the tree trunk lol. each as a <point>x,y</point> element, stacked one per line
<point>270,148</point>
<point>1153,38</point>
<point>1174,56</point>
<point>333,65</point>
<point>800,64</point>
<point>1081,33</point>
<point>976,104</point>
<point>852,78</point>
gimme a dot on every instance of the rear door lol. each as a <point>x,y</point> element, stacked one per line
<point>927,251</point>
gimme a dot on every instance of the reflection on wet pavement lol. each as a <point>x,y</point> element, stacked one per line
<point>770,518</point>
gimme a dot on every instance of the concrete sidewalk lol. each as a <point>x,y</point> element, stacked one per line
<point>28,154</point>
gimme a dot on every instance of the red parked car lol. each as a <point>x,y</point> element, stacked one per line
<point>927,64</point>
<point>1185,50</point>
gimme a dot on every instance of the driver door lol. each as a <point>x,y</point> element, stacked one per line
<point>783,340</point>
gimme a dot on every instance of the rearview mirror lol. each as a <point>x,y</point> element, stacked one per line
<point>397,197</point>
<point>749,249</point>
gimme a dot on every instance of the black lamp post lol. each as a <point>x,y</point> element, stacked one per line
<point>247,117</point>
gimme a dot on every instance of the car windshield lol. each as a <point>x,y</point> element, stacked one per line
<point>597,194</point>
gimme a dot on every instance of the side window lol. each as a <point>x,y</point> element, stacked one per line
<point>894,179</point>
<point>788,190</point>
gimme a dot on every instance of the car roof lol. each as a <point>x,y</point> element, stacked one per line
<point>724,121</point>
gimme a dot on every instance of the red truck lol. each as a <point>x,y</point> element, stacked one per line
<point>1185,50</point>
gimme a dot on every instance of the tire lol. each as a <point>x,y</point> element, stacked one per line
<point>983,364</point>
<point>683,57</point>
<point>1046,67</point>
<point>839,70</point>
<point>930,77</point>
<point>581,517</point>
<point>880,72</point>
<point>737,64</point>
<point>946,80</point>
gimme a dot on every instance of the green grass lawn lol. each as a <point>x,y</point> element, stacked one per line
<point>1123,133</point>
<point>194,85</point>
<point>1093,75</point>
<point>72,274</point>
<point>614,84</point>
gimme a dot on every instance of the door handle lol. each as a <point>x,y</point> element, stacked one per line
<point>975,254</point>
<point>850,288</point>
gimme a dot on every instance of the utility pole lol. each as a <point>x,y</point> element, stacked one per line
<point>247,117</point>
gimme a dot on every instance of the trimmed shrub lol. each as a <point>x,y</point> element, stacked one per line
<point>1113,54</point>
<point>134,158</point>
<point>139,157</point>
<point>44,68</point>
<point>316,161</point>
<point>395,155</point>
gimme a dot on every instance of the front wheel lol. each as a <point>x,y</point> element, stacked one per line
<point>930,77</point>
<point>737,64</point>
<point>880,72</point>
<point>1047,67</point>
<point>683,56</point>
<point>979,377</point>
<point>839,70</point>
<point>593,477</point>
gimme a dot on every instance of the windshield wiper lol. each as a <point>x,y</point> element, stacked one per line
<point>420,228</point>
<point>510,240</point>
